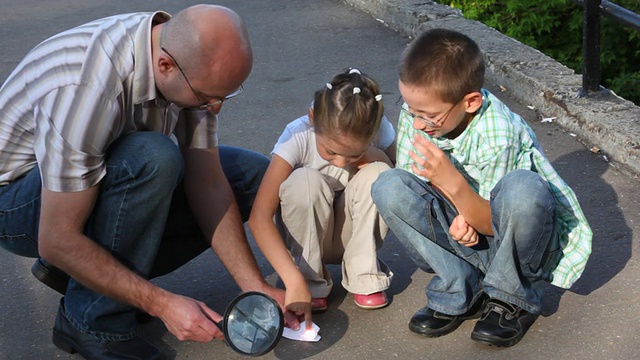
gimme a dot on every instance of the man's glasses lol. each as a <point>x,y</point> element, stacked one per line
<point>431,122</point>
<point>204,105</point>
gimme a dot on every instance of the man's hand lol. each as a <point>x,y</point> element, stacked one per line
<point>463,233</point>
<point>190,320</point>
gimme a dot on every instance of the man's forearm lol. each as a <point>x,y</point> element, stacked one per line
<point>229,241</point>
<point>97,269</point>
<point>213,203</point>
<point>62,242</point>
<point>219,218</point>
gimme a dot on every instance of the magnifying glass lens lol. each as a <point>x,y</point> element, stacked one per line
<point>253,324</point>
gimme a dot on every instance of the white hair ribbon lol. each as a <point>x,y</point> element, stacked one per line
<point>378,97</point>
<point>329,86</point>
<point>356,90</point>
<point>354,70</point>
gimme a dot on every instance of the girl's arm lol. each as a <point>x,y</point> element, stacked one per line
<point>268,237</point>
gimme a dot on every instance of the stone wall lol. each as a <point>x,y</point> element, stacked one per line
<point>604,120</point>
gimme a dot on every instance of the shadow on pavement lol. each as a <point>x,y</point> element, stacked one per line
<point>612,238</point>
<point>333,326</point>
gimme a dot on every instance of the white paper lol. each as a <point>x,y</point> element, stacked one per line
<point>302,334</point>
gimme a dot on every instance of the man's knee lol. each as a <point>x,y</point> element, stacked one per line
<point>146,156</point>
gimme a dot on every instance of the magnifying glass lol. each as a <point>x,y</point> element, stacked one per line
<point>252,324</point>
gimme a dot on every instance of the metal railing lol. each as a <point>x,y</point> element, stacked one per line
<point>591,37</point>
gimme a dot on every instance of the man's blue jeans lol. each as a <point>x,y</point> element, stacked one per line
<point>511,266</point>
<point>141,216</point>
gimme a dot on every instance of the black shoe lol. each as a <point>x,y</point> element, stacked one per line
<point>430,323</point>
<point>67,338</point>
<point>502,324</point>
<point>50,275</point>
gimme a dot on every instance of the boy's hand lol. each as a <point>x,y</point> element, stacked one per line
<point>432,163</point>
<point>463,233</point>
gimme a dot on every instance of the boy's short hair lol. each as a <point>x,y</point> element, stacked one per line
<point>444,62</point>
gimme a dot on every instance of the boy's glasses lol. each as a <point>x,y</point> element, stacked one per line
<point>431,122</point>
<point>204,105</point>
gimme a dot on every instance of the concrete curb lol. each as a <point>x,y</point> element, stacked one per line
<point>604,120</point>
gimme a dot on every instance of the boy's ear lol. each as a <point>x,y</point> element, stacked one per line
<point>311,115</point>
<point>472,102</point>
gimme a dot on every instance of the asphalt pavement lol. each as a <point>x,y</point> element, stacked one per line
<point>298,46</point>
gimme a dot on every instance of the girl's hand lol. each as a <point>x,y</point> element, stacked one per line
<point>463,233</point>
<point>300,311</point>
<point>298,303</point>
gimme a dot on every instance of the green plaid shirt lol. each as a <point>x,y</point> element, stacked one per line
<point>496,142</point>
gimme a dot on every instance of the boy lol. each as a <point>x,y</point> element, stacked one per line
<point>474,199</point>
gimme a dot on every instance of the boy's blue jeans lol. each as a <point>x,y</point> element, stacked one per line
<point>141,216</point>
<point>511,266</point>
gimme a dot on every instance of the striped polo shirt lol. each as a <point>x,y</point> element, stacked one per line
<point>77,92</point>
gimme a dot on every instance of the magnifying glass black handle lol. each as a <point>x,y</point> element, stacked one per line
<point>219,324</point>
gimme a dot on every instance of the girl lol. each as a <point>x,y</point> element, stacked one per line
<point>318,188</point>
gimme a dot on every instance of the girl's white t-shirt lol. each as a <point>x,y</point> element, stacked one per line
<point>297,146</point>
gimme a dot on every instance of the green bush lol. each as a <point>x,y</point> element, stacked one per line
<point>555,28</point>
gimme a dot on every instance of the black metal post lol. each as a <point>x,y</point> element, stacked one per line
<point>591,47</point>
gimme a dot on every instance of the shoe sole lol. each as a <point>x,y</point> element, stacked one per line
<point>496,341</point>
<point>434,333</point>
<point>370,307</point>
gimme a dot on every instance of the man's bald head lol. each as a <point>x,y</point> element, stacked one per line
<point>211,43</point>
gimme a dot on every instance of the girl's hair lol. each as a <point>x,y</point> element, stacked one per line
<point>443,62</point>
<point>350,105</point>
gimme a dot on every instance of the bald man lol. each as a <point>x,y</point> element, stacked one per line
<point>110,170</point>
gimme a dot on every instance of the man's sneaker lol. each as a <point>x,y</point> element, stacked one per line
<point>430,323</point>
<point>502,324</point>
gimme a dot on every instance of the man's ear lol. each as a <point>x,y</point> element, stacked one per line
<point>311,115</point>
<point>165,64</point>
<point>472,102</point>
